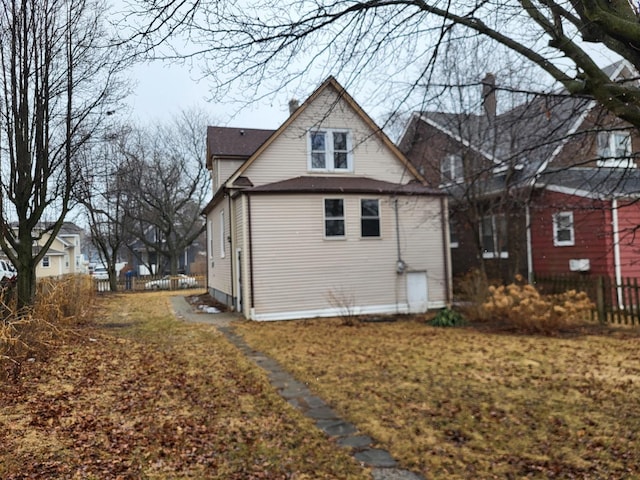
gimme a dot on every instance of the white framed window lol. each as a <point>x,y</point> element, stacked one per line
<point>66,260</point>
<point>370,217</point>
<point>334,221</point>
<point>330,150</point>
<point>614,150</point>
<point>451,169</point>
<point>45,261</point>
<point>210,249</point>
<point>563,231</point>
<point>454,242</point>
<point>222,235</point>
<point>493,236</point>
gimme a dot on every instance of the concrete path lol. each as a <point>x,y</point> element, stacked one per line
<point>345,434</point>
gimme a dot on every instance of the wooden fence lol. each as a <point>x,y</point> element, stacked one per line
<point>152,282</point>
<point>614,302</point>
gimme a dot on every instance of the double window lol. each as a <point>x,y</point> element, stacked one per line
<point>334,217</point>
<point>330,150</point>
<point>493,235</point>
<point>563,232</point>
<point>614,150</point>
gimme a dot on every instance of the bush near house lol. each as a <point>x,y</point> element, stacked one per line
<point>523,307</point>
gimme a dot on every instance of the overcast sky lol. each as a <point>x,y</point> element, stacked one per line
<point>164,89</point>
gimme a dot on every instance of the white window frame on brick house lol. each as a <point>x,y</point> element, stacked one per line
<point>328,149</point>
<point>563,222</point>
<point>499,244</point>
<point>451,169</point>
<point>614,149</point>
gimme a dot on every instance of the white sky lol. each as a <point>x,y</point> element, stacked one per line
<point>162,90</point>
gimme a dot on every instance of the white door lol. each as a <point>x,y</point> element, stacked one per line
<point>417,294</point>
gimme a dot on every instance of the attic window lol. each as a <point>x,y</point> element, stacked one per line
<point>451,169</point>
<point>614,150</point>
<point>330,150</point>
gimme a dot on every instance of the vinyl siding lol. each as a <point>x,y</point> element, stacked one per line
<point>219,274</point>
<point>297,269</point>
<point>592,234</point>
<point>225,168</point>
<point>287,157</point>
<point>628,221</point>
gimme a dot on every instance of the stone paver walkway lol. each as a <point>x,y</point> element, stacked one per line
<point>382,464</point>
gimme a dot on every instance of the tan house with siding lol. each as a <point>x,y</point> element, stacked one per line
<point>322,215</point>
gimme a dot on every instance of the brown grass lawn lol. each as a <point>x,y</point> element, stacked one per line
<point>143,396</point>
<point>463,403</point>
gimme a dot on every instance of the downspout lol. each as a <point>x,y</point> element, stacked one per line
<point>446,247</point>
<point>251,296</point>
<point>231,254</point>
<point>616,251</point>
<point>400,265</point>
<point>527,217</point>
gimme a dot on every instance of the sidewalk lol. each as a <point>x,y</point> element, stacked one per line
<point>383,465</point>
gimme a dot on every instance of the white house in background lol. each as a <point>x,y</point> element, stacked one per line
<point>322,215</point>
<point>64,255</point>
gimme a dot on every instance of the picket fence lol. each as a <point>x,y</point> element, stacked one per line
<point>136,284</point>
<point>615,302</point>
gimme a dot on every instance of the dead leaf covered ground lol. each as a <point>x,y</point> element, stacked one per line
<point>463,403</point>
<point>141,395</point>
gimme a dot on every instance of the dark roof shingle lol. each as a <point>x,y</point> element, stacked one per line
<point>311,184</point>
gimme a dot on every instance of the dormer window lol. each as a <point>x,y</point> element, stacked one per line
<point>330,150</point>
<point>614,150</point>
<point>451,169</point>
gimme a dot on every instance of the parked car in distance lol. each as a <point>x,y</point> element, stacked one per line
<point>6,270</point>
<point>165,282</point>
<point>100,273</point>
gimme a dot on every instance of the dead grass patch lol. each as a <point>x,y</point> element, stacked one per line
<point>461,403</point>
<point>161,399</point>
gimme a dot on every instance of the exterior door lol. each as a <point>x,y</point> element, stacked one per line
<point>417,293</point>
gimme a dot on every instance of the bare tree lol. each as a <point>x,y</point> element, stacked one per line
<point>58,80</point>
<point>103,194</point>
<point>166,185</point>
<point>274,43</point>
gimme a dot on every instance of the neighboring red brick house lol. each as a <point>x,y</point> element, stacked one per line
<point>548,187</point>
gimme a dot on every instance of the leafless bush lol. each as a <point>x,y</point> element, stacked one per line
<point>345,303</point>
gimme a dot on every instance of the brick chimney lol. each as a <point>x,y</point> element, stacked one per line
<point>293,105</point>
<point>489,95</point>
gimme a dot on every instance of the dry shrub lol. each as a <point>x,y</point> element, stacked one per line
<point>470,292</point>
<point>523,307</point>
<point>345,303</point>
<point>29,335</point>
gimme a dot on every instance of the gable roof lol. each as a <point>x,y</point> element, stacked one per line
<point>597,183</point>
<point>526,137</point>
<point>330,82</point>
